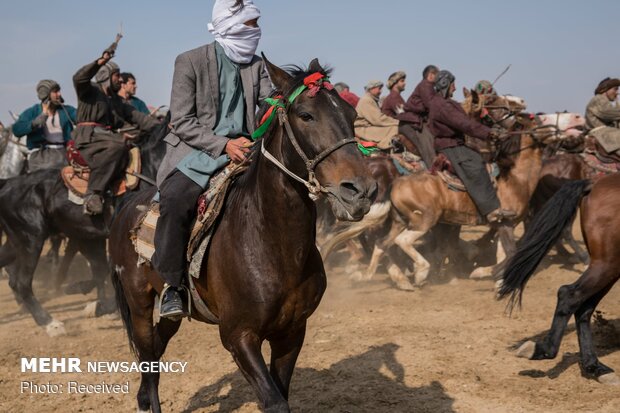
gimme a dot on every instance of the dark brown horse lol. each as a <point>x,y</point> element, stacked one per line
<point>598,204</point>
<point>263,275</point>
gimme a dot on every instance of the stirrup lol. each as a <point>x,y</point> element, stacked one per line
<point>187,313</point>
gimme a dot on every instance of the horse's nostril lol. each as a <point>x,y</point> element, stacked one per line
<point>349,189</point>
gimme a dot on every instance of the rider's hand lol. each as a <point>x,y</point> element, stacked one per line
<point>497,132</point>
<point>238,148</point>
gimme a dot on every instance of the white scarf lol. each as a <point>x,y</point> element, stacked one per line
<point>238,40</point>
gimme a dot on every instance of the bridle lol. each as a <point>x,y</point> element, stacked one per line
<point>280,106</point>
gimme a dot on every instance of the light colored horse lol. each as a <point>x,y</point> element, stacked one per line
<point>567,124</point>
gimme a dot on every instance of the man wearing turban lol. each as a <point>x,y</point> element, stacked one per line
<point>371,124</point>
<point>48,127</point>
<point>215,92</point>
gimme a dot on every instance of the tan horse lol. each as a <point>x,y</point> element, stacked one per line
<point>424,200</point>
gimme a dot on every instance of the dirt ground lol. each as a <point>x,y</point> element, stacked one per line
<point>447,347</point>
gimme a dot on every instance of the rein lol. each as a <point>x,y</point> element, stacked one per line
<point>313,84</point>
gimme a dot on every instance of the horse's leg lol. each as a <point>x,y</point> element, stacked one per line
<point>245,347</point>
<point>405,241</point>
<point>570,298</point>
<point>580,252</point>
<point>142,337</point>
<point>62,271</point>
<point>506,247</point>
<point>94,250</point>
<point>590,365</point>
<point>284,352</point>
<point>52,254</point>
<point>20,282</point>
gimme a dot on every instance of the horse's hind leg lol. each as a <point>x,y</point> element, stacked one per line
<point>245,347</point>
<point>63,269</point>
<point>284,353</point>
<point>590,365</point>
<point>570,298</point>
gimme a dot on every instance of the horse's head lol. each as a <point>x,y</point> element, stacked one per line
<point>317,142</point>
<point>491,109</point>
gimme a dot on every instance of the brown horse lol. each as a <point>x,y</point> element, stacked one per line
<point>598,204</point>
<point>263,275</point>
<point>424,200</point>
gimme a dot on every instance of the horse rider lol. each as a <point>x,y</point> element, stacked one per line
<point>394,104</point>
<point>371,124</point>
<point>344,91</point>
<point>128,93</point>
<point>603,116</point>
<point>101,115</point>
<point>414,119</point>
<point>449,124</point>
<point>48,127</point>
<point>215,91</point>
<point>484,87</point>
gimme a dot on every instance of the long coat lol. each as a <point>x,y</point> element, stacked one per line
<point>373,125</point>
<point>194,102</point>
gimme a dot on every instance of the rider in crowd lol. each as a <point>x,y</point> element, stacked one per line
<point>215,91</point>
<point>484,87</point>
<point>393,104</point>
<point>414,119</point>
<point>345,93</point>
<point>371,124</point>
<point>128,93</point>
<point>48,127</point>
<point>603,117</point>
<point>101,114</point>
<point>449,124</point>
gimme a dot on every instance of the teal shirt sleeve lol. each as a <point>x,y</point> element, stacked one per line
<point>23,125</point>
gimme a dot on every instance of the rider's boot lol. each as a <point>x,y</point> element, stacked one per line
<point>171,305</point>
<point>93,205</point>
<point>499,215</point>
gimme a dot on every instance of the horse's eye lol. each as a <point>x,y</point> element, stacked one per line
<point>305,116</point>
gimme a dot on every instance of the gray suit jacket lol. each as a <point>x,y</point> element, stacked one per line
<point>194,101</point>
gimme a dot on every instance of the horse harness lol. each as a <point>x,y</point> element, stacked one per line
<point>313,83</point>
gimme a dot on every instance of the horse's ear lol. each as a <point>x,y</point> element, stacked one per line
<point>280,79</point>
<point>315,66</point>
<point>474,97</point>
<point>466,92</point>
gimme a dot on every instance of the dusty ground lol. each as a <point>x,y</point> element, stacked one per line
<point>369,348</point>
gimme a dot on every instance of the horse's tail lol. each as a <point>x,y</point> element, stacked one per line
<point>542,233</point>
<point>123,308</point>
<point>376,216</point>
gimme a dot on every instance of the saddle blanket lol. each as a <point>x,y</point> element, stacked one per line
<point>75,178</point>
<point>209,207</point>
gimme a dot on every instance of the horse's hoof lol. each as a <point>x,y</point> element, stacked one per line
<point>526,350</point>
<point>90,311</point>
<point>609,378</point>
<point>55,328</point>
<point>281,407</point>
<point>482,272</point>
<point>356,276</point>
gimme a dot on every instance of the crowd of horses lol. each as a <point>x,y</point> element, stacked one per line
<point>263,275</point>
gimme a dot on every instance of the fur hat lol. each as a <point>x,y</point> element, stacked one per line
<point>105,71</point>
<point>44,87</point>
<point>373,84</point>
<point>443,81</point>
<point>605,85</point>
<point>395,77</point>
<point>484,87</point>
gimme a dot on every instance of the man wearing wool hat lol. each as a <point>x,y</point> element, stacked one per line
<point>394,104</point>
<point>216,89</point>
<point>48,127</point>
<point>603,115</point>
<point>101,114</point>
<point>449,124</point>
<point>371,124</point>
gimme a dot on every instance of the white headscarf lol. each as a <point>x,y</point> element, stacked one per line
<point>238,40</point>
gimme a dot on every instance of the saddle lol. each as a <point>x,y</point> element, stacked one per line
<point>443,168</point>
<point>75,175</point>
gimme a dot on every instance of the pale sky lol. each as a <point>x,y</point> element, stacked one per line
<point>559,50</point>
